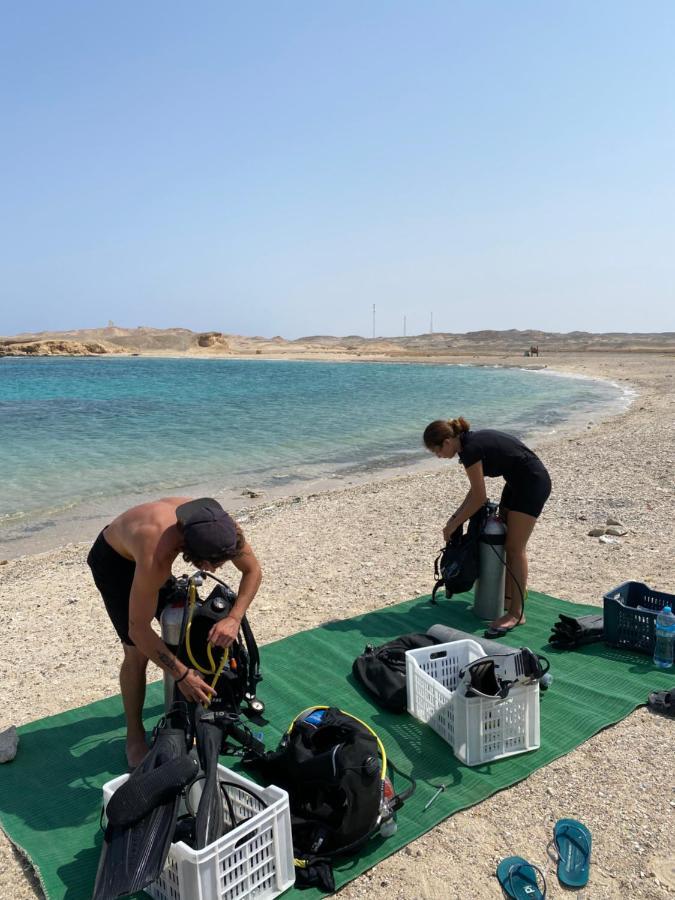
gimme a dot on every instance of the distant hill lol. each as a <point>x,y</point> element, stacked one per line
<point>182,341</point>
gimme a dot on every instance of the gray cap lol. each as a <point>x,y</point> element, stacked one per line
<point>209,533</point>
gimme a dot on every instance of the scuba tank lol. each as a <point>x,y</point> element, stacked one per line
<point>489,591</point>
<point>171,622</point>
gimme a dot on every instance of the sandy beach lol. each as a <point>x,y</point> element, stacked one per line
<point>324,555</point>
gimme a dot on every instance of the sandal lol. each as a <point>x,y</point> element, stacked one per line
<point>662,702</point>
<point>518,879</point>
<point>491,633</point>
<point>572,841</point>
<point>497,631</point>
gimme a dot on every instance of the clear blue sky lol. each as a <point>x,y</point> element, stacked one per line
<point>278,167</point>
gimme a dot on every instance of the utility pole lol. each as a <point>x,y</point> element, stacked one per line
<point>403,326</point>
<point>373,320</point>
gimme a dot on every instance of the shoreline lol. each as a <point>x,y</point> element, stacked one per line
<point>324,557</point>
<point>26,535</point>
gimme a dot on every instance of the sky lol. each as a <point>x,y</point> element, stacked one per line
<point>276,168</point>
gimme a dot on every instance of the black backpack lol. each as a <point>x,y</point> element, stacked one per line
<point>333,766</point>
<point>381,670</point>
<point>456,566</point>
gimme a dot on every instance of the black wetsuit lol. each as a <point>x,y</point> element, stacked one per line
<point>528,484</point>
<point>113,575</point>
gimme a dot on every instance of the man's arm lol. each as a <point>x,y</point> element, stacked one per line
<point>224,632</point>
<point>148,578</point>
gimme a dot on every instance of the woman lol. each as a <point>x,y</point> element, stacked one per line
<point>493,454</point>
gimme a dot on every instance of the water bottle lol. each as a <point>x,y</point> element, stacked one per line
<point>545,681</point>
<point>665,638</point>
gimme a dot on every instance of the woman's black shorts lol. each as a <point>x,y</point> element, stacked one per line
<point>114,575</point>
<point>529,492</point>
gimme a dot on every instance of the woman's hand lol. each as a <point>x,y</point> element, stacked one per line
<point>194,688</point>
<point>449,529</point>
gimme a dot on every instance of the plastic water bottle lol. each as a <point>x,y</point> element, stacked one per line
<point>388,828</point>
<point>665,638</point>
<point>545,681</point>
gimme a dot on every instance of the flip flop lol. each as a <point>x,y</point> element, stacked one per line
<point>493,633</point>
<point>573,841</point>
<point>518,879</point>
<point>663,702</point>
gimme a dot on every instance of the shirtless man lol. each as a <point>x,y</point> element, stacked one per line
<point>131,559</point>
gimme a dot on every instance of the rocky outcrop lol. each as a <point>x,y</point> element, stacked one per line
<point>56,348</point>
<point>213,339</point>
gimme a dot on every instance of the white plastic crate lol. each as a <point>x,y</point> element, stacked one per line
<point>255,859</point>
<point>478,730</point>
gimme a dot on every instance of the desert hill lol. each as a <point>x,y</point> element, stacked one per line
<point>182,341</point>
<point>58,347</point>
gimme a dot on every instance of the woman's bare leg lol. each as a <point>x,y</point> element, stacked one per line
<point>519,529</point>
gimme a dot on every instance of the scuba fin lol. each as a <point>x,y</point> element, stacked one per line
<point>138,796</point>
<point>210,819</point>
<point>133,855</point>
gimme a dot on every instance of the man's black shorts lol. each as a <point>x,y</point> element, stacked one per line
<point>113,575</point>
<point>528,494</point>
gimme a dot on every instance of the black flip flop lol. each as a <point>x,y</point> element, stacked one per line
<point>492,633</point>
<point>663,702</point>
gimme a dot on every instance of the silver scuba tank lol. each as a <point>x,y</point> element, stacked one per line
<point>489,590</point>
<point>171,621</point>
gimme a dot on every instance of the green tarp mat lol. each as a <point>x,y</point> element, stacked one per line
<point>50,795</point>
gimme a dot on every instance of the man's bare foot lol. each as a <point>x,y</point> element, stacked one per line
<point>136,751</point>
<point>508,621</point>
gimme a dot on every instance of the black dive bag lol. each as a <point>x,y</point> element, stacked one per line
<point>381,670</point>
<point>456,566</point>
<point>331,764</point>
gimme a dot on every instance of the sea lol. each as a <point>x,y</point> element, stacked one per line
<point>83,438</point>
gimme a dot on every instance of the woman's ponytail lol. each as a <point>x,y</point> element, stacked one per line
<point>458,426</point>
<point>441,429</point>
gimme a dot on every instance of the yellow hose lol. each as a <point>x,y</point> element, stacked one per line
<point>219,672</point>
<point>216,671</point>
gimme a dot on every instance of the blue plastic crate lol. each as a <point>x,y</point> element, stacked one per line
<point>630,612</point>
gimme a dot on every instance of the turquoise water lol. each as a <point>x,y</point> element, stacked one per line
<point>78,431</point>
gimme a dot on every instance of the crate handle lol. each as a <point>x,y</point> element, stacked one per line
<point>247,837</point>
<point>438,654</point>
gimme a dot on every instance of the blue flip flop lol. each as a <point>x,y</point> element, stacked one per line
<point>573,842</point>
<point>518,879</point>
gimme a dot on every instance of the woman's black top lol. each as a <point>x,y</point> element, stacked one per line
<point>501,454</point>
